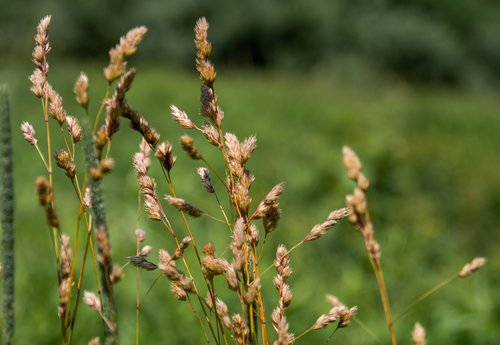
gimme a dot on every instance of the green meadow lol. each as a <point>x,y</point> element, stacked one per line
<point>432,155</point>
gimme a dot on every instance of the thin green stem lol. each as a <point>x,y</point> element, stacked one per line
<point>424,296</point>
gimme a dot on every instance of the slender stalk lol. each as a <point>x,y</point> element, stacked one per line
<point>7,197</point>
<point>424,296</point>
<point>385,299</point>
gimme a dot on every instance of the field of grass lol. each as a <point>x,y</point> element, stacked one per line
<point>432,156</point>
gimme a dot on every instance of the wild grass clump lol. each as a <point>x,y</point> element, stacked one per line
<point>222,283</point>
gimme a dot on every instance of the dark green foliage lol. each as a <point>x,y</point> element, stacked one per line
<point>416,40</point>
<point>7,198</point>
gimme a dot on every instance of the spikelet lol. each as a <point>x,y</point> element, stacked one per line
<point>471,267</point>
<point>418,334</point>
<point>125,48</point>
<point>28,133</point>
<point>81,90</point>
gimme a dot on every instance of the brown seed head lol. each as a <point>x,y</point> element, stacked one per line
<point>251,293</point>
<point>280,325</point>
<point>65,256</point>
<point>81,90</point>
<point>183,206</point>
<point>38,82</point>
<point>247,147</point>
<point>42,31</point>
<point>239,329</point>
<point>181,117</point>
<point>363,182</point>
<point>74,128</point>
<point>178,291</point>
<point>152,206</point>
<point>205,179</point>
<point>326,319</point>
<point>346,315</point>
<point>211,134</point>
<point>320,229</point>
<point>165,156</point>
<point>188,146</point>
<point>64,161</point>
<point>106,165</point>
<point>127,46</point>
<point>116,274</point>
<point>141,262</point>
<point>139,163</point>
<point>282,262</point>
<point>270,201</point>
<point>351,163</point>
<point>43,191</point>
<point>179,251</point>
<point>237,244</point>
<point>201,34</point>
<point>103,243</point>
<point>56,109</point>
<point>232,278</point>
<point>222,312</point>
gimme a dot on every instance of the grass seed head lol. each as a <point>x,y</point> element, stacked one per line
<point>28,133</point>
<point>81,90</point>
<point>472,267</point>
<point>418,334</point>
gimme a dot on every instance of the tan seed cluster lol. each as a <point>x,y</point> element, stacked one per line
<point>147,185</point>
<point>66,279</point>
<point>116,274</point>
<point>81,90</point>
<point>239,329</point>
<point>357,203</point>
<point>205,179</point>
<point>472,267</point>
<point>64,161</point>
<point>188,146</point>
<point>181,117</point>
<point>56,109</point>
<point>39,76</point>
<point>320,229</point>
<point>165,156</point>
<point>125,48</point>
<point>167,266</point>
<point>341,313</point>
<point>280,324</point>
<point>418,334</point>
<point>211,264</point>
<point>90,299</point>
<point>183,206</point>
<point>269,209</point>
<point>211,134</point>
<point>94,341</point>
<point>45,198</point>
<point>74,128</point>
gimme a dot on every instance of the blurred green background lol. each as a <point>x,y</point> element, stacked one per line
<point>412,86</point>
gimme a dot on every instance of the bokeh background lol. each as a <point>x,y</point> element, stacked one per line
<point>413,86</point>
